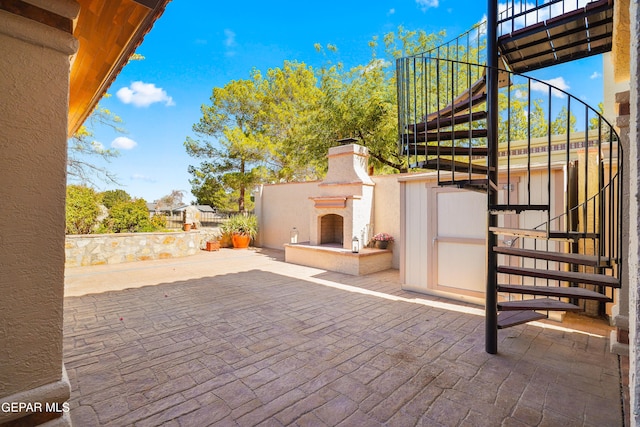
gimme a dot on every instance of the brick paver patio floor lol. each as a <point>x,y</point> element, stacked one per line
<point>242,338</point>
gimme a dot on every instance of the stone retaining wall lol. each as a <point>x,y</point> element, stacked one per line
<point>98,249</point>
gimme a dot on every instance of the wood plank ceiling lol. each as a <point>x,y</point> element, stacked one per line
<point>109,33</point>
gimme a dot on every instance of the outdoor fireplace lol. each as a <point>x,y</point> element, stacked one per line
<point>342,209</point>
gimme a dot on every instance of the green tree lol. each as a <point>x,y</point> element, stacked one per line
<point>559,126</point>
<point>111,197</point>
<point>208,190</point>
<point>234,121</point>
<point>361,102</point>
<point>538,119</point>
<point>520,122</point>
<point>594,122</point>
<point>171,200</point>
<point>128,217</point>
<point>290,98</point>
<point>512,123</point>
<point>403,42</point>
<point>82,209</point>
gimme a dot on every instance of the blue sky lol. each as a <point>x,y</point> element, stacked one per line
<point>198,45</point>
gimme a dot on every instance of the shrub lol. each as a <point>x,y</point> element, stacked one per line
<point>159,222</point>
<point>82,210</point>
<point>129,217</point>
<point>111,197</point>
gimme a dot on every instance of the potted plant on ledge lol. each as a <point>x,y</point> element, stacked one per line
<point>381,240</point>
<point>242,229</point>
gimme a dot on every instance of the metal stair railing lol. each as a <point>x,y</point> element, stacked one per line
<point>536,136</point>
<point>517,14</point>
<point>413,74</point>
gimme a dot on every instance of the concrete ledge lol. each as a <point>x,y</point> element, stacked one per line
<point>616,347</point>
<point>337,259</point>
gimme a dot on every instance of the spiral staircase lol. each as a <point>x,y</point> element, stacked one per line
<point>468,113</point>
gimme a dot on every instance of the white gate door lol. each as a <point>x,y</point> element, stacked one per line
<point>458,241</point>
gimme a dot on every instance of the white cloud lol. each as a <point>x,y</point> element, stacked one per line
<point>230,38</point>
<point>143,94</point>
<point>595,75</point>
<point>141,177</point>
<point>520,94</point>
<point>229,42</point>
<point>426,4</point>
<point>392,11</point>
<point>557,82</point>
<point>124,143</point>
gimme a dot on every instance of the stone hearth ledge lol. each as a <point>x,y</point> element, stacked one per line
<point>338,259</point>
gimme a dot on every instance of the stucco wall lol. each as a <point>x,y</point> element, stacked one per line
<point>35,64</point>
<point>279,208</point>
<point>97,249</point>
<point>386,211</point>
<point>611,87</point>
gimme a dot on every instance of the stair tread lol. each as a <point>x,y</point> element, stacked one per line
<point>572,235</point>
<point>458,106</point>
<point>565,276</point>
<point>447,135</point>
<point>479,185</point>
<point>507,319</point>
<point>519,208</point>
<point>523,232</point>
<point>555,291</point>
<point>447,121</point>
<point>432,150</point>
<point>449,165</point>
<point>546,304</point>
<point>542,234</point>
<point>582,259</point>
<point>575,34</point>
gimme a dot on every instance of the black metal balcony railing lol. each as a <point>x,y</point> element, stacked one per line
<point>517,14</point>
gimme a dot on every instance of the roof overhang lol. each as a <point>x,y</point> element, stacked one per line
<point>109,32</point>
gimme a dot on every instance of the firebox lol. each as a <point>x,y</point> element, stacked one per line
<point>331,229</point>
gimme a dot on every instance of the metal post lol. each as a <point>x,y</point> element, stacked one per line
<point>491,313</point>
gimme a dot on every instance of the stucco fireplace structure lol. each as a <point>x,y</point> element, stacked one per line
<point>342,208</point>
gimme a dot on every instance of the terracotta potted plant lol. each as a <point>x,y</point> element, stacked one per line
<point>212,245</point>
<point>242,229</point>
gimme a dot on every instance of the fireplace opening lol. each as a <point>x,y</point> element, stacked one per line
<point>331,229</point>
